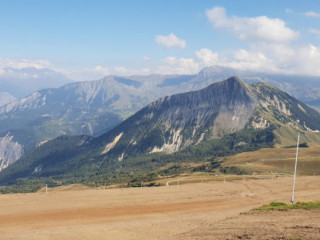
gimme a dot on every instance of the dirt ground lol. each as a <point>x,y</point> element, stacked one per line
<point>293,224</point>
<point>211,210</point>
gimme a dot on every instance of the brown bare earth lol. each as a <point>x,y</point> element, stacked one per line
<point>210,210</point>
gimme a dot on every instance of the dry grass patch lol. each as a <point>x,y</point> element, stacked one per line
<point>280,206</point>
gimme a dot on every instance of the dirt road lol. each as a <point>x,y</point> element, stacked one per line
<point>192,211</point>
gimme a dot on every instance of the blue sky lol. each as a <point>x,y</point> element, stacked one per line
<point>89,39</point>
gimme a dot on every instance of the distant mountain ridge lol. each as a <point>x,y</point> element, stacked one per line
<point>175,122</point>
<point>225,118</point>
<point>24,81</point>
<point>6,98</point>
<point>94,107</point>
<point>91,107</point>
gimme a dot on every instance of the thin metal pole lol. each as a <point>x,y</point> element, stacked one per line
<point>295,170</point>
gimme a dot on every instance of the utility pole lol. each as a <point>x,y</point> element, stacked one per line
<point>295,170</point>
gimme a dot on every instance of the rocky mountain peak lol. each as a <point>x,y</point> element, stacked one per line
<point>174,122</point>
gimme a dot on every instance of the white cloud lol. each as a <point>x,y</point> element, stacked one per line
<point>88,73</point>
<point>170,60</point>
<point>277,58</point>
<point>207,57</point>
<point>23,63</point>
<point>258,28</point>
<point>172,65</point>
<point>262,57</point>
<point>99,70</point>
<point>170,41</point>
<point>22,69</point>
<point>312,14</point>
<point>120,70</point>
<point>280,54</point>
<point>252,61</point>
<point>306,60</point>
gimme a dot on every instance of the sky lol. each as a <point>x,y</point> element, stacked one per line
<point>86,40</point>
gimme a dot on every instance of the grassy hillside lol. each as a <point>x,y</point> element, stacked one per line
<point>278,160</point>
<point>287,136</point>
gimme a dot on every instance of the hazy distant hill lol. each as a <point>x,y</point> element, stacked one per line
<point>91,108</point>
<point>22,82</point>
<point>5,98</point>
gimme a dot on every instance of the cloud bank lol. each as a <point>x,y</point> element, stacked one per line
<point>170,41</point>
<point>258,28</point>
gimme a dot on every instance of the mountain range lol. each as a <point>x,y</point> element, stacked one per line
<point>22,82</point>
<point>222,119</point>
<point>6,98</point>
<point>95,107</point>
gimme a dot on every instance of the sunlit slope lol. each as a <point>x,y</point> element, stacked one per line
<point>278,160</point>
